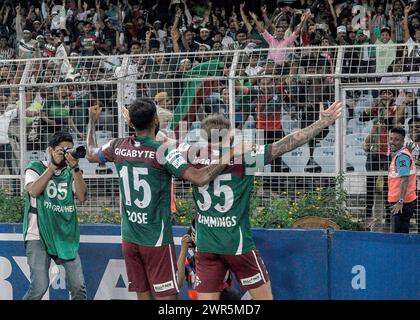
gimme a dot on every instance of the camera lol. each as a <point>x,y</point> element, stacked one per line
<point>77,153</point>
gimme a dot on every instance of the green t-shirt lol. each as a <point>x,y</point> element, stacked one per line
<point>56,210</point>
<point>79,109</point>
<point>57,109</point>
<point>145,186</point>
<point>223,225</point>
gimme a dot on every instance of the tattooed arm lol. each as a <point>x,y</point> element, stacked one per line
<point>299,138</point>
<point>202,176</point>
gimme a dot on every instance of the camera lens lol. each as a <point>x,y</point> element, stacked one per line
<point>77,153</point>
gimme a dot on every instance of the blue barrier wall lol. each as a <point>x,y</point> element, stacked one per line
<point>296,261</point>
<point>374,266</point>
<point>303,264</point>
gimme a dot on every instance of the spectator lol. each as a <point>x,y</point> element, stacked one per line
<point>9,110</point>
<point>342,38</point>
<point>253,69</point>
<point>6,52</point>
<point>217,46</point>
<point>253,33</point>
<point>204,37</point>
<point>163,103</point>
<point>402,180</point>
<point>379,19</point>
<point>241,40</point>
<point>26,45</point>
<point>412,42</point>
<point>386,52</point>
<point>376,148</point>
<point>186,43</point>
<point>86,44</point>
<point>278,41</point>
<point>59,113</point>
<point>160,35</point>
<point>6,150</point>
<point>395,20</point>
<point>36,128</point>
<point>268,105</point>
<point>227,40</point>
<point>397,68</point>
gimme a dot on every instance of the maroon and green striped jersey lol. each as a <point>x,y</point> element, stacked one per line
<point>223,224</point>
<point>145,187</point>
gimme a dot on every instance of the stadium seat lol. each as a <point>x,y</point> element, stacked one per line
<point>288,124</point>
<point>325,157</point>
<point>356,157</point>
<point>329,140</point>
<point>103,137</point>
<point>355,126</point>
<point>297,159</point>
<point>355,140</point>
<point>87,167</point>
<point>368,127</point>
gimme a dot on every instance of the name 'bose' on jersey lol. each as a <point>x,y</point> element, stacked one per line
<point>145,186</point>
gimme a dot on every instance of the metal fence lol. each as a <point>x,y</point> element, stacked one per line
<point>266,94</point>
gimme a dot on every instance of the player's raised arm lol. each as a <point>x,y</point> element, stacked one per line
<point>92,145</point>
<point>299,138</point>
<point>204,175</point>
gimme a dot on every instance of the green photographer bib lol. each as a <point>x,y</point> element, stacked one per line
<point>57,219</point>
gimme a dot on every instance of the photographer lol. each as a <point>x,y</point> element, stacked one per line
<point>187,269</point>
<point>50,227</point>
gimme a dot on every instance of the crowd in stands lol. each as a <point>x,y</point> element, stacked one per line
<point>74,29</point>
<point>291,40</point>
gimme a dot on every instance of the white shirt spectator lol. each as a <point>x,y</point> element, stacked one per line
<point>58,21</point>
<point>396,80</point>
<point>227,42</point>
<point>5,120</point>
<point>128,72</point>
<point>253,71</point>
<point>26,49</point>
<point>413,48</point>
<point>161,37</point>
<point>385,55</point>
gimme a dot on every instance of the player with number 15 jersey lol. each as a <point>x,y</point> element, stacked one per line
<point>145,168</point>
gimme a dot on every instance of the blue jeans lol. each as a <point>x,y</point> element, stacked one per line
<point>39,264</point>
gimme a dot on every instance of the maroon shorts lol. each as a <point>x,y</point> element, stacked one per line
<point>248,268</point>
<point>151,268</point>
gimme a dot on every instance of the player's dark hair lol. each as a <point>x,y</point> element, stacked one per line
<point>59,137</point>
<point>398,130</point>
<point>142,112</point>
